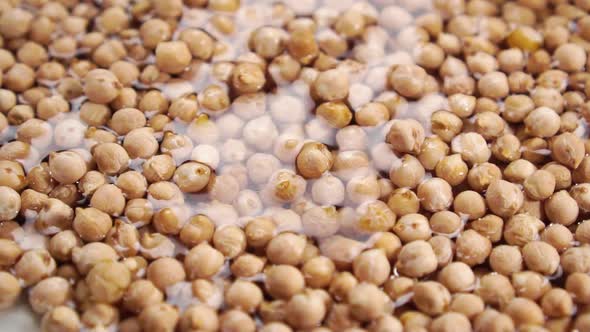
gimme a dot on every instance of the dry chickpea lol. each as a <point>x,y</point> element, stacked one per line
<point>133,184</point>
<point>165,272</point>
<point>159,168</point>
<point>435,194</point>
<point>92,224</point>
<point>101,86</point>
<point>540,257</point>
<point>457,277</point>
<point>125,120</point>
<point>472,147</point>
<point>62,319</point>
<point>577,285</point>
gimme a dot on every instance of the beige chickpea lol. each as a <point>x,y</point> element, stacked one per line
<point>443,249</point>
<point>457,277</point>
<point>19,78</point>
<point>247,78</point>
<point>495,289</point>
<point>468,304</point>
<point>159,168</point>
<point>433,150</point>
<point>435,194</point>
<point>452,169</point>
<point>124,237</point>
<point>337,114</point>
<point>469,204</point>
<point>539,185</point>
<point>92,224</point>
<point>313,160</point>
<point>570,57</point>
<point>109,199</point>
<point>108,281</point>
<point>524,311</point>
<point>371,266</point>
<point>236,320</point>
<point>285,248</point>
<point>472,248</point>
<point>541,257</point>
<point>11,203</point>
<point>568,149</point>
<point>406,136</point>
<point>504,198</point>
<point>489,124</point>
<point>408,80</point>
<point>506,259</point>
<point>199,317</point>
<point>480,176</point>
<point>91,254</point>
<point>11,290</point>
<point>66,167</point>
<point>165,272</point>
<point>494,85</point>
<point>559,236</point>
<point>318,272</point>
<point>575,259</point>
<point>403,201</point>
<point>140,143</point>
<point>283,281</point>
<point>431,297</point>
<point>94,114</point>
<point>101,86</point>
<point>125,120</point>
<point>542,122</point>
<point>243,295</point>
<point>445,223</point>
<point>367,302</point>
<point>133,184</point>
<point>159,317</point>
<point>557,303</point>
<point>139,211</point>
<point>416,259</point>
<point>141,294</point>
<point>198,229</point>
<point>533,150</point>
<point>34,266</point>
<point>408,172</point>
<point>472,147</point>
<point>411,227</point>
<point>203,261</point>
<point>446,125</point>
<point>522,229</point>
<point>561,208</point>
<point>230,241</point>
<point>61,318</point>
<point>111,158</point>
<point>506,148</point>
<point>577,285</point>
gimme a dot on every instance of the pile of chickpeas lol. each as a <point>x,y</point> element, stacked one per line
<point>299,165</point>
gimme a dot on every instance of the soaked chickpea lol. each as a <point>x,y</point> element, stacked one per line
<point>61,318</point>
<point>165,272</point>
<point>435,194</point>
<point>101,86</point>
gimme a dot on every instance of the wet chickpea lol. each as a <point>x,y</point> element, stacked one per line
<point>203,261</point>
<point>407,173</point>
<point>506,259</point>
<point>283,281</point>
<point>495,289</point>
<point>19,78</point>
<point>247,78</point>
<point>522,229</point>
<point>561,208</point>
<point>403,201</point>
<point>108,198</point>
<point>198,229</point>
<point>472,248</point>
<point>539,185</point>
<point>540,257</point>
<point>34,266</point>
<point>159,317</point>
<point>108,281</point>
<point>433,150</point>
<point>141,294</point>
<point>468,304</point>
<point>457,277</point>
<point>61,318</point>
<point>165,272</point>
<point>367,302</point>
<point>101,86</point>
<point>431,297</point>
<point>416,259</point>
<point>480,176</point>
<point>406,136</point>
<point>452,169</point>
<point>111,158</point>
<point>230,241</point>
<point>313,160</point>
<point>90,254</point>
<point>504,198</point>
<point>446,125</point>
<point>506,148</point>
<point>435,194</point>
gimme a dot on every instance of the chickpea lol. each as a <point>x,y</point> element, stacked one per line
<point>199,317</point>
<point>446,125</point>
<point>111,158</point>
<point>367,302</point>
<point>416,259</point>
<point>575,260</point>
<point>61,318</point>
<point>101,86</point>
<point>452,169</point>
<point>433,150</point>
<point>283,281</point>
<point>91,254</point>
<point>141,294</point>
<point>408,172</point>
<point>34,266</point>
<point>480,176</point>
<point>198,229</point>
<point>408,80</point>
<point>243,295</point>
<point>504,198</point>
<point>159,317</point>
<point>542,122</point>
<point>11,290</point>
<point>472,147</point>
<point>165,272</point>
<point>109,199</point>
<point>435,194</point>
<point>108,281</point>
<point>470,204</point>
<point>561,208</point>
<point>203,261</point>
<point>247,78</point>
<point>336,114</point>
<point>406,136</point>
